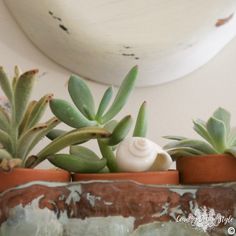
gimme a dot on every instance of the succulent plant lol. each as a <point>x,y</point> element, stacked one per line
<point>20,129</point>
<point>83,114</point>
<point>218,137</point>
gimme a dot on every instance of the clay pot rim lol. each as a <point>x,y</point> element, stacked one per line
<point>163,172</point>
<point>170,177</point>
<point>22,169</point>
<point>206,156</point>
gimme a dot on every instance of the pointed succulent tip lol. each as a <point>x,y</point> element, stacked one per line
<point>31,72</point>
<point>49,97</point>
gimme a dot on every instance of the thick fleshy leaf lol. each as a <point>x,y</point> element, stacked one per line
<point>77,163</point>
<point>55,133</point>
<point>199,145</point>
<point>200,128</point>
<point>110,126</point>
<point>224,116</point>
<point>4,120</point>
<point>70,138</point>
<point>68,114</point>
<point>217,131</point>
<point>5,85</point>
<point>140,129</point>
<point>23,91</point>
<point>232,138</point>
<point>120,132</point>
<point>83,152</point>
<point>39,110</point>
<point>4,154</point>
<point>81,95</point>
<point>122,95</point>
<point>26,117</point>
<point>5,140</point>
<point>104,102</point>
<point>109,155</point>
<point>31,137</point>
<point>184,151</point>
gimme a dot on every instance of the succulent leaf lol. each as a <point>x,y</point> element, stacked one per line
<point>5,140</point>
<point>200,128</point>
<point>54,133</point>
<point>217,131</point>
<point>198,145</point>
<point>232,138</point>
<point>109,155</point>
<point>26,117</point>
<point>224,116</point>
<point>81,95</point>
<point>140,129</point>
<point>83,152</point>
<point>77,163</point>
<point>23,91</point>
<point>67,113</point>
<point>70,138</point>
<point>122,95</point>
<point>38,110</point>
<point>120,132</point>
<point>4,154</point>
<point>5,85</point>
<point>4,120</point>
<point>104,102</point>
<point>110,126</point>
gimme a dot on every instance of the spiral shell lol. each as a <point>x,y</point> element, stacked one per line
<point>140,154</point>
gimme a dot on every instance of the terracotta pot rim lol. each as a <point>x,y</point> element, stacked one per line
<point>147,177</point>
<point>21,169</point>
<point>223,155</point>
<point>129,173</point>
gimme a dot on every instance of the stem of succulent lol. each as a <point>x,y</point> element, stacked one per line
<point>108,154</point>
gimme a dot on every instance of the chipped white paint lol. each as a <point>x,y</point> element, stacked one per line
<point>102,40</point>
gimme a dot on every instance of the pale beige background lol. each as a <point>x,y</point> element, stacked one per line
<point>171,106</point>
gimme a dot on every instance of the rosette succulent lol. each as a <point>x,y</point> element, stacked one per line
<point>218,137</point>
<point>20,130</point>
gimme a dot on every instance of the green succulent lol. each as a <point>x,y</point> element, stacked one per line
<point>218,137</point>
<point>20,130</point>
<point>83,114</point>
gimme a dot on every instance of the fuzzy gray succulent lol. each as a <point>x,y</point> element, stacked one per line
<point>218,137</point>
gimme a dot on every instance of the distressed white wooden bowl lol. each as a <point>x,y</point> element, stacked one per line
<point>101,40</point>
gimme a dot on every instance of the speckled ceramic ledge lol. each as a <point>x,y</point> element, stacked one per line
<point>78,207</point>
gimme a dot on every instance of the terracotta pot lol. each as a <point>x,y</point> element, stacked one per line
<point>206,169</point>
<point>155,177</point>
<point>20,176</point>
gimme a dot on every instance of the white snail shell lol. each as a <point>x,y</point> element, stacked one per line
<point>141,154</point>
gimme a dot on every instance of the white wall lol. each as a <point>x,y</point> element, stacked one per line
<point>171,106</point>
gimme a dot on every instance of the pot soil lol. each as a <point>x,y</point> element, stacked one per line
<point>206,169</point>
<point>20,176</point>
<point>155,177</point>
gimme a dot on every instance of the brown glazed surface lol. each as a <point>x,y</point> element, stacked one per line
<point>20,176</point>
<point>207,169</point>
<point>147,203</point>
